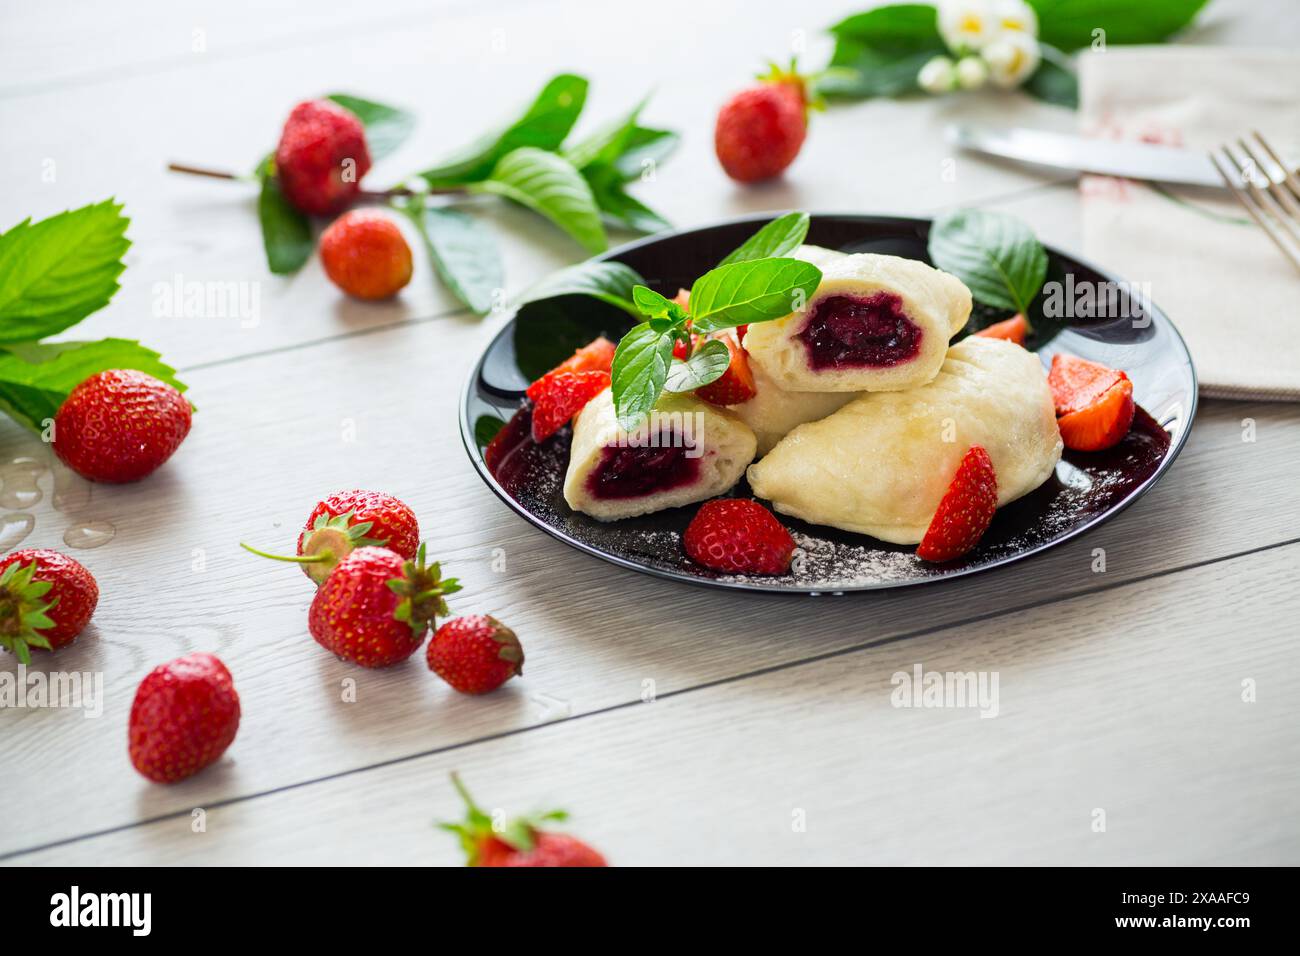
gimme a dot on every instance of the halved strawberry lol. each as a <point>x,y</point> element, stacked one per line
<point>683,298</point>
<point>965,511</point>
<point>1076,382</point>
<point>1101,424</point>
<point>1014,329</point>
<point>563,394</point>
<point>595,356</point>
<point>736,384</point>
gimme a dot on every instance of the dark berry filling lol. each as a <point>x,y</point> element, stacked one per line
<point>633,472</point>
<point>849,331</point>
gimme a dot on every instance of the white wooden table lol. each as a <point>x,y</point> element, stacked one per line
<point>1120,691</point>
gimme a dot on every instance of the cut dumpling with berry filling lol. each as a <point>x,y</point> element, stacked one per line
<point>687,451</point>
<point>773,411</point>
<point>876,323</point>
<point>881,464</point>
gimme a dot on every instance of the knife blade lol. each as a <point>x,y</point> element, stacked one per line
<point>1166,164</point>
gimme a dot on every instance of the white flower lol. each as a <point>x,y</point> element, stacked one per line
<point>972,72</point>
<point>937,76</point>
<point>1014,16</point>
<point>1012,58</point>
<point>967,24</point>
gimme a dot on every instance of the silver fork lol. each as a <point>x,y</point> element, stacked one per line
<point>1268,189</point>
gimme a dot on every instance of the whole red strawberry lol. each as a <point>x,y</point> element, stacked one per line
<point>760,130</point>
<point>376,607</point>
<point>185,715</point>
<point>738,536</point>
<point>46,600</point>
<point>347,520</point>
<point>562,395</point>
<point>321,157</point>
<point>475,654</point>
<point>965,511</point>
<point>120,425</point>
<point>366,255</point>
<point>518,842</point>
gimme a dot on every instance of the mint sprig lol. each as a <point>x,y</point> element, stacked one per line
<point>53,274</point>
<point>742,291</point>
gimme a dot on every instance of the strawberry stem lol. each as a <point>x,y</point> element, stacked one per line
<point>368,194</point>
<point>316,558</point>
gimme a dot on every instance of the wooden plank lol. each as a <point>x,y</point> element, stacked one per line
<point>273,435</point>
<point>1131,704</point>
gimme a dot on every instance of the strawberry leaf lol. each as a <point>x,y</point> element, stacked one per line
<point>387,127</point>
<point>286,233</point>
<point>544,126</point>
<point>548,184</point>
<point>464,254</point>
<point>35,378</point>
<point>55,272</point>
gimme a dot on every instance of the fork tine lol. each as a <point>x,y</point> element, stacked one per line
<point>1279,192</point>
<point>1288,176</point>
<point>1266,201</point>
<point>1260,219</point>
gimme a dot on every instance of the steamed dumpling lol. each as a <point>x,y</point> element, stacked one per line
<point>876,323</point>
<point>881,464</point>
<point>688,451</point>
<point>773,411</point>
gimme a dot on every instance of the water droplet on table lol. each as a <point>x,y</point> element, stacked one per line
<point>19,488</point>
<point>14,527</point>
<point>89,534</point>
<point>71,491</point>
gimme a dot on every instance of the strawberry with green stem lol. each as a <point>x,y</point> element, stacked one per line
<point>46,600</point>
<point>520,841</point>
<point>376,608</point>
<point>345,521</point>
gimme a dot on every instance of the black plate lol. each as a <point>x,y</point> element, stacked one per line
<point>1086,490</point>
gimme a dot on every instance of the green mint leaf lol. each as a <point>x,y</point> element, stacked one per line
<point>644,150</point>
<point>655,306</point>
<point>706,364</point>
<point>611,282</point>
<point>464,254</point>
<point>996,255</point>
<point>486,428</point>
<point>286,233</point>
<point>606,143</point>
<point>640,369</point>
<point>1070,24</point>
<point>35,378</point>
<point>548,184</point>
<point>55,272</point>
<point>387,127</point>
<point>544,125</point>
<point>743,293</point>
<point>1054,81</point>
<point>781,235</point>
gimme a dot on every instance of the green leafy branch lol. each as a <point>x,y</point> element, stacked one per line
<point>581,187</point>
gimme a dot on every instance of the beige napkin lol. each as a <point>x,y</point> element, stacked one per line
<point>1213,271</point>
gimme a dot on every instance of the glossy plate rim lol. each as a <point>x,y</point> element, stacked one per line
<point>480,466</point>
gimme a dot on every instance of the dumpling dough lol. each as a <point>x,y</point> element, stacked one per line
<point>819,256</point>
<point>880,465</point>
<point>613,475</point>
<point>773,411</point>
<point>876,323</point>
